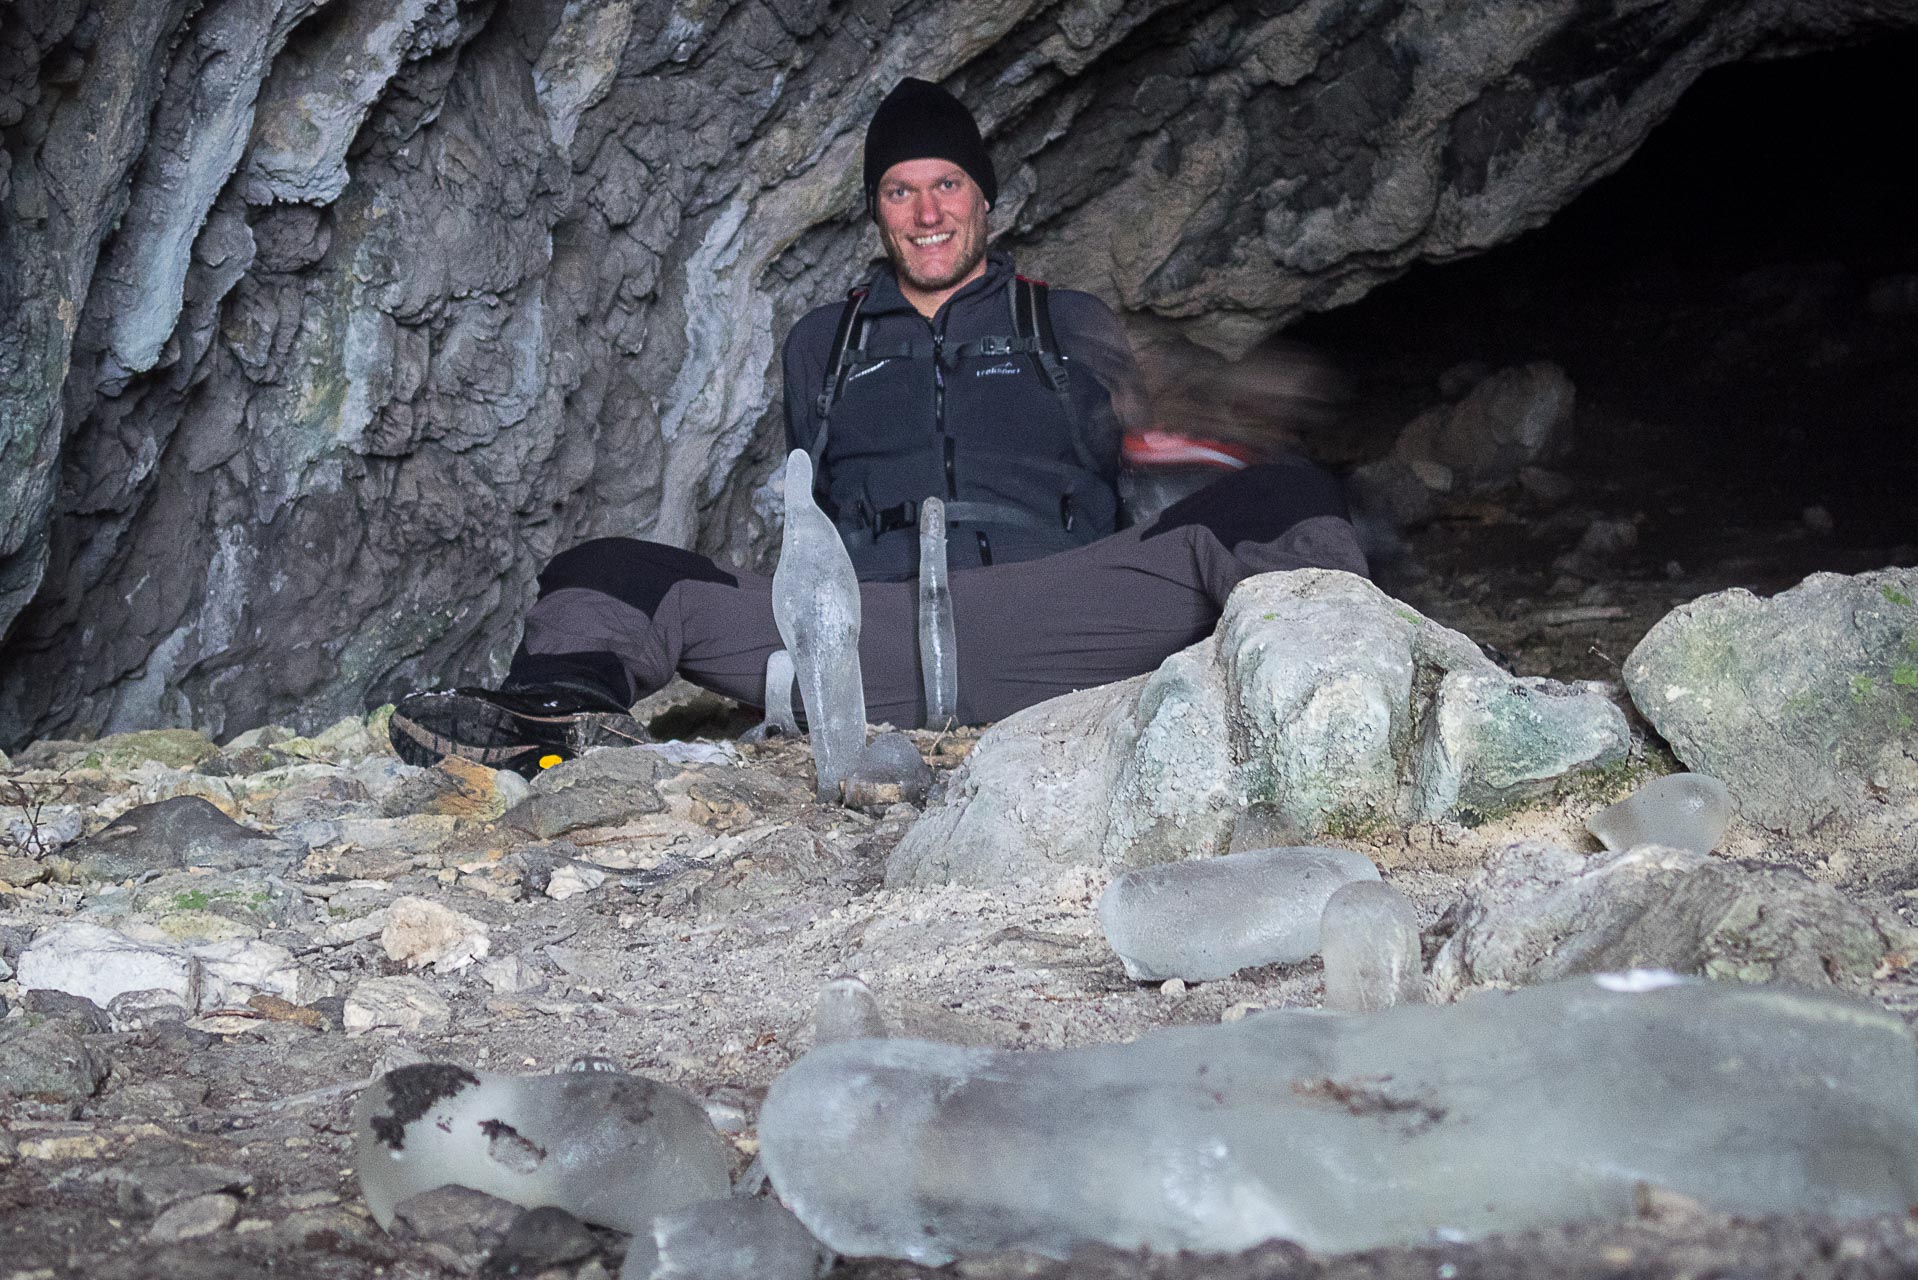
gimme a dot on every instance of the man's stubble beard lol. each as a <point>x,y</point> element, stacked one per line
<point>975,234</point>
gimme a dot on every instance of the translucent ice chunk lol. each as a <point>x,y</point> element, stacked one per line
<point>779,694</point>
<point>847,1010</point>
<point>1503,1112</point>
<point>816,606</point>
<point>1369,936</point>
<point>938,639</point>
<point>607,1147</point>
<point>734,1239</point>
<point>1211,917</point>
<point>1679,811</point>
<point>890,771</point>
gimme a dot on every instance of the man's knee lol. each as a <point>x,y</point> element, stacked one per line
<point>631,570</point>
<point>1257,504</point>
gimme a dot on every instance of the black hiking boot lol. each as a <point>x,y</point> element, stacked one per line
<point>525,730</point>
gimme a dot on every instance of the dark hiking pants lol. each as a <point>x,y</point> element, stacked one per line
<point>622,615</point>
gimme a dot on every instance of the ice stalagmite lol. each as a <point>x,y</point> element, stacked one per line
<point>1502,1112</point>
<point>779,719</point>
<point>1369,937</point>
<point>938,639</point>
<point>1679,811</point>
<point>607,1147</point>
<point>1211,917</point>
<point>816,606</point>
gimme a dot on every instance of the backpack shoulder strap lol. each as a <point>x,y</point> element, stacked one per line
<point>834,383</point>
<point>1032,321</point>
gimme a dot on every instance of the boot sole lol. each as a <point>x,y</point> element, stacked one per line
<point>486,733</point>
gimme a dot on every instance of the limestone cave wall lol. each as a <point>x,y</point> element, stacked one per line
<point>324,322</point>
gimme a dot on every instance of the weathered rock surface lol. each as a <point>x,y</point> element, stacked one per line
<point>603,787</point>
<point>395,1004</point>
<point>1514,419</point>
<point>420,931</point>
<point>185,831</point>
<point>49,1062</point>
<point>1537,913</point>
<point>323,325</point>
<point>1343,710</point>
<point>1804,705</point>
<point>462,1224</point>
<point>1032,796</point>
<point>88,960</point>
<point>691,947</point>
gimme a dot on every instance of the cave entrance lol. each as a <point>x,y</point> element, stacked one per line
<point>1737,308</point>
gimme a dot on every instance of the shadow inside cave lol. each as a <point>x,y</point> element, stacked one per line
<point>1737,307</point>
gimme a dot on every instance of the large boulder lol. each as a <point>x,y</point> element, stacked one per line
<point>1804,705</point>
<point>1034,793</point>
<point>1333,706</point>
<point>1514,419</point>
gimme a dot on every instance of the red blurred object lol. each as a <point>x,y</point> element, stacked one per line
<point>1170,449</point>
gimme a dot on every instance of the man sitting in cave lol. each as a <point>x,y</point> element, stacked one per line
<point>945,375</point>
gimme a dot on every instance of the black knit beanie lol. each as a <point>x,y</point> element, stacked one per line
<point>920,121</point>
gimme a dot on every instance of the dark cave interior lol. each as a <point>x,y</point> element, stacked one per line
<point>1737,307</point>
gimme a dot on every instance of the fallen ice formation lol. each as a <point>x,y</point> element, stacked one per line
<point>816,607</point>
<point>891,771</point>
<point>732,1239</point>
<point>847,1010</point>
<point>1502,1112</point>
<point>1678,811</point>
<point>938,638</point>
<point>607,1147</point>
<point>1211,917</point>
<point>1369,937</point>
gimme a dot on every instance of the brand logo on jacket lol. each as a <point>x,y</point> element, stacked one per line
<point>997,370</point>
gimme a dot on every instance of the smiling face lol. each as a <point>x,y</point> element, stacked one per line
<point>932,220</point>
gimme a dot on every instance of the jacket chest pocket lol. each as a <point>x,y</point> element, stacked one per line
<point>882,405</point>
<point>1003,405</point>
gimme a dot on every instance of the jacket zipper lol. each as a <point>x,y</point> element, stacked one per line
<point>939,409</point>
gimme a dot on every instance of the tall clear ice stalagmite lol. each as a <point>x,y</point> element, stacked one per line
<point>607,1147</point>
<point>1678,811</point>
<point>816,606</point>
<point>1210,917</point>
<point>1506,1111</point>
<point>938,637</point>
<point>1369,938</point>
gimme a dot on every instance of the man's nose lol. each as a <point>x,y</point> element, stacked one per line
<point>925,209</point>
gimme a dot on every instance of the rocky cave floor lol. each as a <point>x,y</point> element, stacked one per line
<point>689,945</point>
